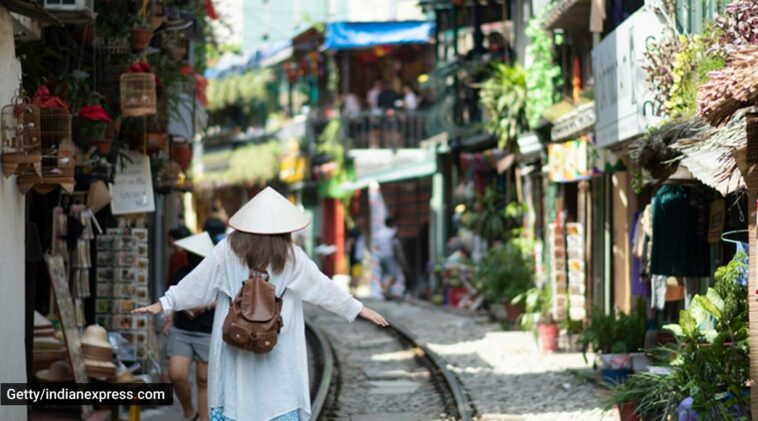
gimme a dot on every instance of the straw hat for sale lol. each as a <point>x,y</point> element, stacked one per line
<point>96,336</point>
<point>200,244</point>
<point>59,371</point>
<point>99,369</point>
<point>98,196</point>
<point>269,213</point>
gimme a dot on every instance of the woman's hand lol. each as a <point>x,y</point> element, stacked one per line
<point>373,317</point>
<point>155,308</point>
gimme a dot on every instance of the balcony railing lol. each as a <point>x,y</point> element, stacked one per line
<point>389,130</point>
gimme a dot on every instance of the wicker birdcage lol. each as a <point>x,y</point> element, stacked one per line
<point>138,97</point>
<point>57,149</point>
<point>20,127</point>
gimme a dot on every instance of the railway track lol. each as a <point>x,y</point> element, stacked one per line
<point>362,372</point>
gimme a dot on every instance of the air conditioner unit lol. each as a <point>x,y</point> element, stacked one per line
<point>70,5</point>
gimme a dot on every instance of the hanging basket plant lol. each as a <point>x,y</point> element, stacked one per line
<point>95,125</point>
<point>140,34</point>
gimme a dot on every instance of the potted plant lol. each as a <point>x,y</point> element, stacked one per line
<point>537,317</point>
<point>140,34</point>
<point>94,123</point>
<point>613,336</point>
<point>505,272</point>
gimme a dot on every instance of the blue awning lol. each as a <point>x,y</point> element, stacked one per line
<point>233,64</point>
<point>344,35</point>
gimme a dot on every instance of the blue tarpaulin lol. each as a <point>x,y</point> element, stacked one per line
<point>344,35</point>
<point>231,64</point>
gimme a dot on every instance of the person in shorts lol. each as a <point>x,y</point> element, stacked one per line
<point>189,336</point>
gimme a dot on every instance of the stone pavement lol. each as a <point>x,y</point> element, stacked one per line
<point>503,372</point>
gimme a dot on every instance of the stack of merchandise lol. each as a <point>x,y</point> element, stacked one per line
<point>47,347</point>
<point>97,353</point>
<point>558,279</point>
<point>576,271</point>
<point>122,278</point>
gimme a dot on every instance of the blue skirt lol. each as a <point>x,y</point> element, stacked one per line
<point>217,414</point>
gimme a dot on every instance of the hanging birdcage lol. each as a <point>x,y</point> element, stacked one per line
<point>20,127</point>
<point>138,96</point>
<point>57,149</point>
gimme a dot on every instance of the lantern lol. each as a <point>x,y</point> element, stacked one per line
<point>57,152</point>
<point>138,96</point>
<point>20,127</point>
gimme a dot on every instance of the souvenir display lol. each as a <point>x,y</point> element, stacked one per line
<point>122,276</point>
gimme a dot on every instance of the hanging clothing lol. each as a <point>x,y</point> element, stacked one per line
<point>640,286</point>
<point>680,245</point>
<point>249,386</point>
<point>745,248</point>
<point>658,288</point>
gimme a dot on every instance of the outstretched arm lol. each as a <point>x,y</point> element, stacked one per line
<point>197,289</point>
<point>316,288</point>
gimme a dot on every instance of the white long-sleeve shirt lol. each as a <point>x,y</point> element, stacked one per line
<point>251,386</point>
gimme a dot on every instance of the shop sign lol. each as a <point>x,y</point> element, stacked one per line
<point>624,103</point>
<point>132,188</point>
<point>568,161</point>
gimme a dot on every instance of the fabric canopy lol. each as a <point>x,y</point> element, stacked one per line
<point>232,64</point>
<point>345,35</point>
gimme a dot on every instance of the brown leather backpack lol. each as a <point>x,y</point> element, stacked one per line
<point>254,319</point>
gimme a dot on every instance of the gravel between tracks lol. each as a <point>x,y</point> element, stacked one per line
<point>380,376</point>
<point>503,373</point>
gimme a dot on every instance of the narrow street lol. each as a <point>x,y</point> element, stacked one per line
<point>503,373</point>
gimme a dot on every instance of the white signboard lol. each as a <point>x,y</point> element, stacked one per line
<point>132,188</point>
<point>624,104</point>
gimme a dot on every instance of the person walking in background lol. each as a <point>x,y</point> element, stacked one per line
<point>388,249</point>
<point>215,224</point>
<point>244,386</point>
<point>189,335</point>
<point>178,257</point>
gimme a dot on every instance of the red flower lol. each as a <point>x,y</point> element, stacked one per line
<point>140,67</point>
<point>94,113</point>
<point>43,99</point>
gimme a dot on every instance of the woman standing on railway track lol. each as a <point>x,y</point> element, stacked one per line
<point>244,385</point>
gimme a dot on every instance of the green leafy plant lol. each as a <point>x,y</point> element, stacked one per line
<point>507,270</point>
<point>537,302</point>
<point>615,333</point>
<point>655,396</point>
<point>710,361</point>
<point>503,97</point>
<point>712,353</point>
<point>543,75</point>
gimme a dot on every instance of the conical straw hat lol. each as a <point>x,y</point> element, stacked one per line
<point>200,244</point>
<point>96,335</point>
<point>269,213</point>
